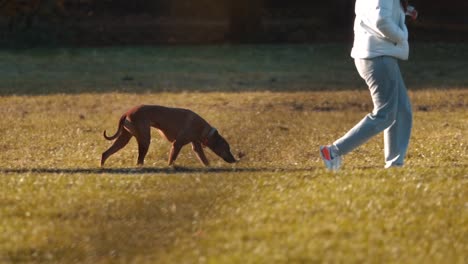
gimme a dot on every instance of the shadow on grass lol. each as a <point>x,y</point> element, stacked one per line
<point>242,68</point>
<point>130,171</point>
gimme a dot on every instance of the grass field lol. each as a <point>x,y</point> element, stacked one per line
<point>275,105</point>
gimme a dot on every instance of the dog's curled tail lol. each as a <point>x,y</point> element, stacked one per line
<point>119,129</point>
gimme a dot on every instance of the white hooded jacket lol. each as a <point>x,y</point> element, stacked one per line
<point>380,30</point>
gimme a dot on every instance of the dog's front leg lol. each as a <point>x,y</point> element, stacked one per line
<point>174,152</point>
<point>198,149</point>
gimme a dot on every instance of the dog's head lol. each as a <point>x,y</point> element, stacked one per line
<point>220,147</point>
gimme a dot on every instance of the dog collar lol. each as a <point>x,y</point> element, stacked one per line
<point>210,134</point>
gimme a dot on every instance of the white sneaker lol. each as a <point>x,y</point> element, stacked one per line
<point>388,166</point>
<point>331,160</point>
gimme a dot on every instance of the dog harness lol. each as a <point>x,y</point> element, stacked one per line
<point>210,134</point>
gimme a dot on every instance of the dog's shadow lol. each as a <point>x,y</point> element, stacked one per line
<point>146,170</point>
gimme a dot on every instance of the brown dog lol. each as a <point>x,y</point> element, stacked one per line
<point>179,126</point>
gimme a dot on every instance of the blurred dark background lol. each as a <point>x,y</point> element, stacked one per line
<point>146,22</point>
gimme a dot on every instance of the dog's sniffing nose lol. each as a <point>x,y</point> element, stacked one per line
<point>230,160</point>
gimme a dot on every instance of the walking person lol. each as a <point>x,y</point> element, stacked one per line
<point>380,40</point>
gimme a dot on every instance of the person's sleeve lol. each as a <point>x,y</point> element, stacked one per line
<point>379,19</point>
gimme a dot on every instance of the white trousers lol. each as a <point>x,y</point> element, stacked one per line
<point>392,112</point>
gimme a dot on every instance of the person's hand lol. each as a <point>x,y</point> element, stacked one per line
<point>412,12</point>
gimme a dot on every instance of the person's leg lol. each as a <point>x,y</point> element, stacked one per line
<point>379,74</point>
<point>397,136</point>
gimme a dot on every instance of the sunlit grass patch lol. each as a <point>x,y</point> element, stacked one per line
<point>277,205</point>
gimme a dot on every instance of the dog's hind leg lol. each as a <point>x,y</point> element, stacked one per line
<point>143,136</point>
<point>119,143</point>
<point>176,147</point>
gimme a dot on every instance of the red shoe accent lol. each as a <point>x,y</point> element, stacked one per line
<point>326,153</point>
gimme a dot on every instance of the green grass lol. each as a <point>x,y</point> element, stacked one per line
<point>277,205</point>
<point>214,68</point>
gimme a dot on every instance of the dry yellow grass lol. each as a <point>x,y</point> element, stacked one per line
<point>277,205</point>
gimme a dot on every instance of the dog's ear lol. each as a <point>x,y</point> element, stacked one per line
<point>214,139</point>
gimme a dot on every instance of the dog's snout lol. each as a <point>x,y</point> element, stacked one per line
<point>230,158</point>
